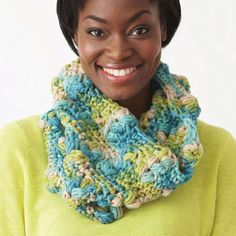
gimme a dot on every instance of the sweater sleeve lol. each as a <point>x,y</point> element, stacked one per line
<point>225,211</point>
<point>13,150</point>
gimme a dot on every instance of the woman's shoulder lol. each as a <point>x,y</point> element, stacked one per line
<point>28,123</point>
<point>20,136</point>
<point>209,133</point>
<point>20,129</point>
<point>217,142</point>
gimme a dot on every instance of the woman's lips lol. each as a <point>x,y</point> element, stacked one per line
<point>119,75</point>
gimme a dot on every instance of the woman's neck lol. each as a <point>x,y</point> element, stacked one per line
<point>140,103</point>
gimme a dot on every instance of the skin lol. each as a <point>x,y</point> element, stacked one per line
<point>120,34</point>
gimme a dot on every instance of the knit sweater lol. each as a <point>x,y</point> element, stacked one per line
<point>204,206</point>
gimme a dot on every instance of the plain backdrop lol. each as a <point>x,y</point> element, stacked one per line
<point>33,50</point>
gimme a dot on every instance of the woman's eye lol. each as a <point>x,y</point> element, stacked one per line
<point>139,31</point>
<point>96,33</point>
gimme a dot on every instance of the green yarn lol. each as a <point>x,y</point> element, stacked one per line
<point>102,159</point>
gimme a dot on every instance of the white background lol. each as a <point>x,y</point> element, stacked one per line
<point>33,50</point>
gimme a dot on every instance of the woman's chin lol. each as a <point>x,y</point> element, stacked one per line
<point>118,97</point>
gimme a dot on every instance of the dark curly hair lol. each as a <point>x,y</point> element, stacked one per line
<point>68,13</point>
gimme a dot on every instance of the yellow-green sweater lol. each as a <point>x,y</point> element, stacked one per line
<point>206,205</point>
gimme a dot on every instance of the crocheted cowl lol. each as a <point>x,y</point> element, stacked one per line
<point>102,159</point>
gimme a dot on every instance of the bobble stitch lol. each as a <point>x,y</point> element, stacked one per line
<point>102,159</point>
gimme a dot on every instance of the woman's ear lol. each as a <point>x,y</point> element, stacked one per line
<point>163,32</point>
<point>75,41</point>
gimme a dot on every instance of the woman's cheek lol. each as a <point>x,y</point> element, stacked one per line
<point>86,51</point>
<point>152,49</point>
<point>89,51</point>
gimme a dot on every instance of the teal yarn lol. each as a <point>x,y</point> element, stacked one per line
<point>101,159</point>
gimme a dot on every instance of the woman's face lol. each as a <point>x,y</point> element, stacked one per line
<point>119,44</point>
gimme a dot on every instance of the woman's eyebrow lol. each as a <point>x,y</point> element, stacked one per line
<point>130,20</point>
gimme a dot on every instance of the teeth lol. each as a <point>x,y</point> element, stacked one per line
<point>121,72</point>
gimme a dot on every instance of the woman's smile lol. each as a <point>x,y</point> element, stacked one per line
<point>119,74</point>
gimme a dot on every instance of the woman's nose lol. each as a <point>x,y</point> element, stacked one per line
<point>119,48</point>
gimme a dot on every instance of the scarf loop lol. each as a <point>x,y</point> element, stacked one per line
<point>101,159</point>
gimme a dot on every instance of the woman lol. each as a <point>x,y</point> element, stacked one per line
<point>123,134</point>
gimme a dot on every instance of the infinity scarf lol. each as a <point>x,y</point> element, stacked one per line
<point>102,159</point>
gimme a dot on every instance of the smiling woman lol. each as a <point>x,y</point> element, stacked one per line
<point>122,144</point>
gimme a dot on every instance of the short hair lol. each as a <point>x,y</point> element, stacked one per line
<point>68,14</point>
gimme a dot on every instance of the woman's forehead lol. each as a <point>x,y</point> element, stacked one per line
<point>116,9</point>
<point>124,5</point>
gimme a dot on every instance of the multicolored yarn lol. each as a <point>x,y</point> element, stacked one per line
<point>102,159</point>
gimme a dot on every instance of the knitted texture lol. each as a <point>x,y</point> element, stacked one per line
<point>102,159</point>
